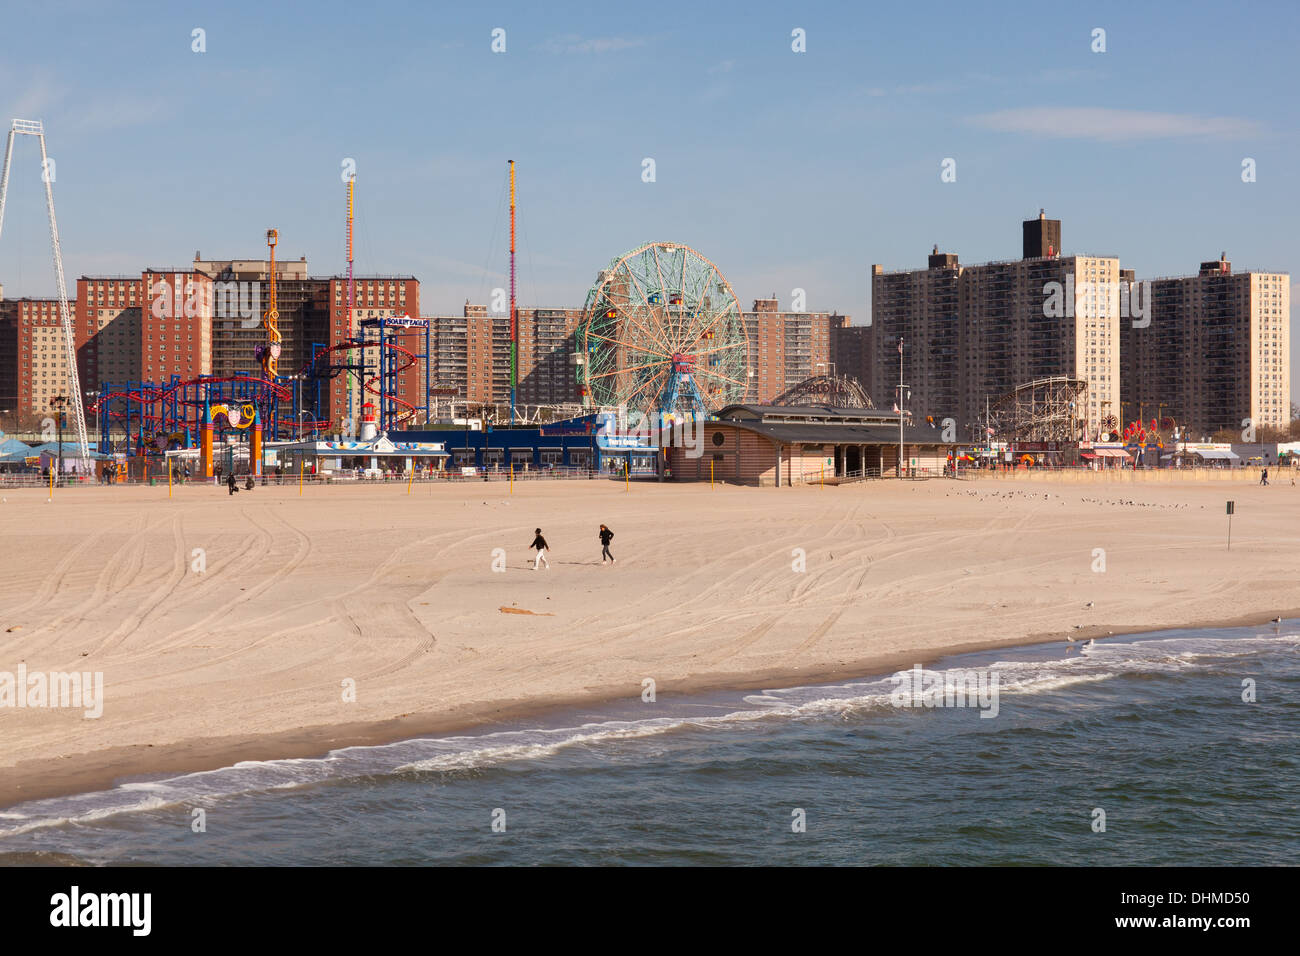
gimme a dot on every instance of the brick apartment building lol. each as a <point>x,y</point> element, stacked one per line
<point>473,352</point>
<point>473,355</point>
<point>176,325</point>
<point>787,347</point>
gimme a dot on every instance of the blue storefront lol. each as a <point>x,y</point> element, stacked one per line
<point>576,443</point>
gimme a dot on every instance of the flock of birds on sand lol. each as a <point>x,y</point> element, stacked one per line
<point>1044,496</point>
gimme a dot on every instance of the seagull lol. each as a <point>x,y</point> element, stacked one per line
<point>1277,620</point>
<point>1089,604</point>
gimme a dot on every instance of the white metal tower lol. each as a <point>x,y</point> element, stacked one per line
<point>34,128</point>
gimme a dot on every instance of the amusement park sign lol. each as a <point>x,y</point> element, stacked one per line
<point>406,322</point>
<point>632,429</point>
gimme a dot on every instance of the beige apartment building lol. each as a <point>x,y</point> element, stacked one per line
<point>33,333</point>
<point>1215,353</point>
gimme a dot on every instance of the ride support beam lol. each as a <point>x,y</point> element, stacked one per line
<point>205,442</point>
<point>255,445</point>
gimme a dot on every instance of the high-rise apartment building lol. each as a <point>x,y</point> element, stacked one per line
<point>176,325</point>
<point>31,331</point>
<point>973,333</point>
<point>8,360</point>
<point>108,329</point>
<point>787,347</point>
<point>851,354</point>
<point>547,373</point>
<point>473,356</point>
<point>1214,352</point>
<point>922,308</point>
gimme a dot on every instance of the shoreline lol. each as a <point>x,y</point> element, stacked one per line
<point>106,769</point>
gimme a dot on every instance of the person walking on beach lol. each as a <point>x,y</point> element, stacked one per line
<point>605,537</point>
<point>1263,477</point>
<point>540,544</point>
<point>230,483</point>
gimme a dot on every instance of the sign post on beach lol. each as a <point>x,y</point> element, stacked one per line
<point>1232,506</point>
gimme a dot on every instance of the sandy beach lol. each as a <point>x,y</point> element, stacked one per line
<point>244,648</point>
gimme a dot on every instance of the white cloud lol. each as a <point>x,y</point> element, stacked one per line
<point>1113,125</point>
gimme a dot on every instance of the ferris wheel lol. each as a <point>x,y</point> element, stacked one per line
<point>662,331</point>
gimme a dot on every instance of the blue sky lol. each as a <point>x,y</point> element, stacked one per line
<point>786,169</point>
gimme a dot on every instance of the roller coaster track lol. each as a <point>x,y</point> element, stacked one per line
<point>329,369</point>
<point>150,396</point>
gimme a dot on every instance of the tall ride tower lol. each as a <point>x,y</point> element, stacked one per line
<point>35,128</point>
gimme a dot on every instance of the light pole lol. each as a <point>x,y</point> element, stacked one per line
<point>297,400</point>
<point>57,402</point>
<point>901,386</point>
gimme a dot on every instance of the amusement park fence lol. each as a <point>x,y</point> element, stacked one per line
<point>422,477</point>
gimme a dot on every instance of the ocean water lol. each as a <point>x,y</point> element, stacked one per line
<point>1151,729</point>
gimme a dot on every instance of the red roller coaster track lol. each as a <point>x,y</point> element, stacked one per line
<point>150,396</point>
<point>369,384</point>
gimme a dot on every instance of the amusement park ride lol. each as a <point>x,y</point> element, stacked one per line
<point>35,128</point>
<point>662,332</point>
<point>150,418</point>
